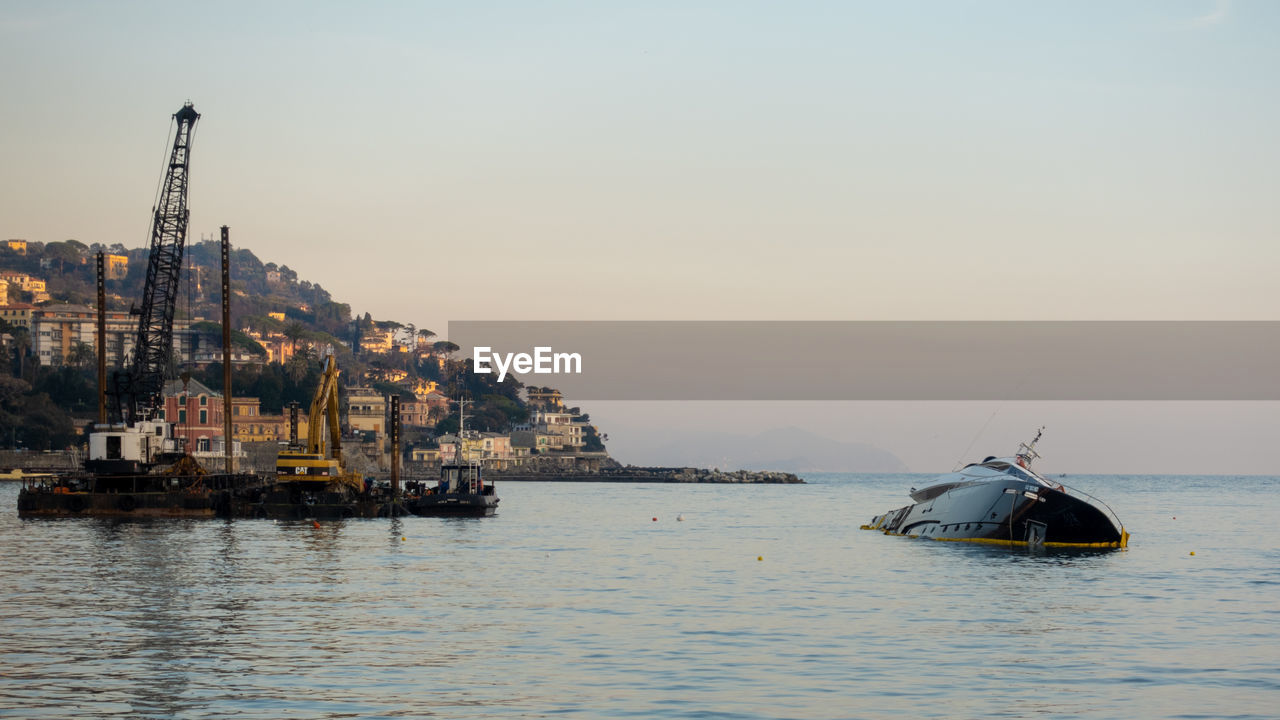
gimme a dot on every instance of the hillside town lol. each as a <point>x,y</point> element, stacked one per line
<point>284,328</point>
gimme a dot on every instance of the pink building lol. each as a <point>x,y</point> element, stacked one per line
<point>196,414</point>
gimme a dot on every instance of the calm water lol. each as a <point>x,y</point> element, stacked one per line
<point>574,602</point>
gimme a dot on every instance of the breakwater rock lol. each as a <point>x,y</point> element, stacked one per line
<point>649,475</point>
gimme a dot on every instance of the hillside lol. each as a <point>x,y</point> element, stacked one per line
<point>285,322</point>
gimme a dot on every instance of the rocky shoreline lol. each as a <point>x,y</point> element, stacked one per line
<point>650,475</point>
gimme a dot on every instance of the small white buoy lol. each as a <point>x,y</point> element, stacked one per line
<point>680,518</point>
<point>547,555</point>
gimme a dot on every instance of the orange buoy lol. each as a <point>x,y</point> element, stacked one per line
<point>315,524</point>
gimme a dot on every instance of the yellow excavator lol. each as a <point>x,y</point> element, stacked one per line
<point>315,466</point>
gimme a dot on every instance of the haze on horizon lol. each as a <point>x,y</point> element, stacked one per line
<point>429,162</point>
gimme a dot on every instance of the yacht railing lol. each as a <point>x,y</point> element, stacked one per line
<point>1086,497</point>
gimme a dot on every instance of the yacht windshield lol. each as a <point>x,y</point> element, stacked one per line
<point>1010,469</point>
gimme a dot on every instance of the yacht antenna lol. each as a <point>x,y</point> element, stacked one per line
<point>1027,451</point>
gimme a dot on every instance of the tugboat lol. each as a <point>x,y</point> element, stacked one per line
<point>1002,501</point>
<point>461,490</point>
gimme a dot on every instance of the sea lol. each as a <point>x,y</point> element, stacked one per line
<point>649,601</point>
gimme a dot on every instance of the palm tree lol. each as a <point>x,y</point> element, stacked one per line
<point>21,346</point>
<point>294,332</point>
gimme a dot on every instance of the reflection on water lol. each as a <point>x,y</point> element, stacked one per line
<point>574,601</point>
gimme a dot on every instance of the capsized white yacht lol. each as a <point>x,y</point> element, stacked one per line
<point>1003,501</point>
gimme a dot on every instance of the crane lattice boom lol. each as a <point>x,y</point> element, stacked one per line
<point>141,387</point>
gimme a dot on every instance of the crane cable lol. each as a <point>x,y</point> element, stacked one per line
<point>164,161</point>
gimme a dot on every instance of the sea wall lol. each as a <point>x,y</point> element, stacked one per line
<point>39,460</point>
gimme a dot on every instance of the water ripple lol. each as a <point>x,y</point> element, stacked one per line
<point>573,602</point>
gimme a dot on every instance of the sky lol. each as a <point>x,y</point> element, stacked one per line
<point>433,162</point>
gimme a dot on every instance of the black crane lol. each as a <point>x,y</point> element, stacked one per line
<point>139,387</point>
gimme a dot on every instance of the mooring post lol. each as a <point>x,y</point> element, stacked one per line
<point>102,339</point>
<point>226,349</point>
<point>395,446</point>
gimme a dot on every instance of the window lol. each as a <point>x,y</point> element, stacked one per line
<point>204,416</point>
<point>204,400</point>
<point>182,415</point>
<point>203,444</point>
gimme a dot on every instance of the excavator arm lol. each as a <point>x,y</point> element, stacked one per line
<point>325,406</point>
<point>335,430</point>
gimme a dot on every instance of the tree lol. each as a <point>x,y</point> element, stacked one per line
<point>591,441</point>
<point>297,367</point>
<point>63,253</point>
<point>12,391</point>
<point>32,419</point>
<point>67,386</point>
<point>82,356</point>
<point>45,425</point>
<point>332,317</point>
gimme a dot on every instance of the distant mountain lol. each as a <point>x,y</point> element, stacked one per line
<point>789,449</point>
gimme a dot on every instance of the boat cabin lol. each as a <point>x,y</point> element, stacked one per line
<point>462,478</point>
<point>116,448</point>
